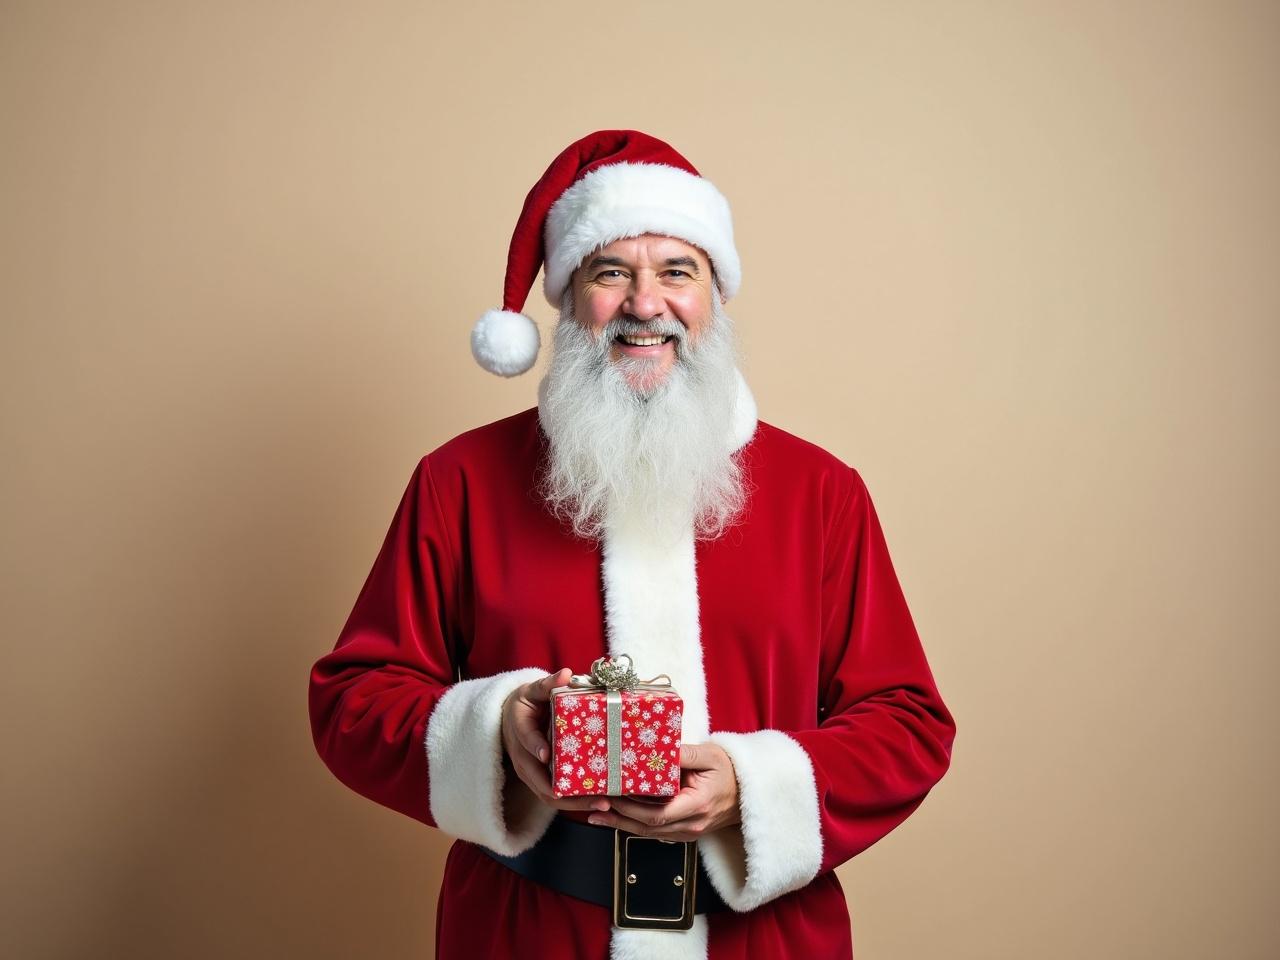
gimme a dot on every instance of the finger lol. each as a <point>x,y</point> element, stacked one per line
<point>684,805</point>
<point>540,690</point>
<point>520,728</point>
<point>534,775</point>
<point>533,772</point>
<point>697,756</point>
<point>530,737</point>
<point>593,804</point>
<point>613,819</point>
<point>685,830</point>
<point>526,719</point>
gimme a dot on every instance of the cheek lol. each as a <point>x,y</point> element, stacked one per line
<point>693,311</point>
<point>597,307</point>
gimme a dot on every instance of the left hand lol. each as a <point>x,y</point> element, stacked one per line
<point>708,800</point>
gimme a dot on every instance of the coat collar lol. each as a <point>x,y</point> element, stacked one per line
<point>745,415</point>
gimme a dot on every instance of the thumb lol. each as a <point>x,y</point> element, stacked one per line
<point>540,690</point>
<point>696,756</point>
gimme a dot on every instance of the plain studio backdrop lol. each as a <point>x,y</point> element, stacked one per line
<point>1016,262</point>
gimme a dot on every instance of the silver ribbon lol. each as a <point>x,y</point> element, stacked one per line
<point>612,676</point>
<point>613,716</point>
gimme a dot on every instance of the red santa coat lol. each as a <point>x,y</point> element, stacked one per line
<point>788,637</point>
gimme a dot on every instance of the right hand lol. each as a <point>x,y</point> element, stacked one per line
<point>524,718</point>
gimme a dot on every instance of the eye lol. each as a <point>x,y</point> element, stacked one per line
<point>609,274</point>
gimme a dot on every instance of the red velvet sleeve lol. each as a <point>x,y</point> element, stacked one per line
<point>372,696</point>
<point>886,736</point>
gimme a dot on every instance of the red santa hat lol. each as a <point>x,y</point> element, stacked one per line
<point>608,185</point>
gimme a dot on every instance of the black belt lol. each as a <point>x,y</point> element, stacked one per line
<point>648,883</point>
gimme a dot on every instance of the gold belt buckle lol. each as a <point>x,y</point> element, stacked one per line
<point>653,882</point>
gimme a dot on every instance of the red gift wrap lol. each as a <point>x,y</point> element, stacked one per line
<point>615,742</point>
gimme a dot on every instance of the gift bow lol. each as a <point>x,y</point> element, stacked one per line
<point>608,673</point>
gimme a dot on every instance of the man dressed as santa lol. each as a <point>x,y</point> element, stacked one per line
<point>642,509</point>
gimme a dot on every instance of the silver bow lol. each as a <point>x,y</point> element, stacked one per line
<point>609,673</point>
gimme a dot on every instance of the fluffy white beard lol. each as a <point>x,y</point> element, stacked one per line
<point>661,454</point>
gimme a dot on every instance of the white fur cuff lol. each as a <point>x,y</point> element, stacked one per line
<point>778,847</point>
<point>464,766</point>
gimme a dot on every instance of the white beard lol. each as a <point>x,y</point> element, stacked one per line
<point>661,454</point>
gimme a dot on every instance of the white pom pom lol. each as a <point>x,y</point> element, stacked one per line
<point>505,342</point>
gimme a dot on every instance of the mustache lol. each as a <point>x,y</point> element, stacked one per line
<point>642,328</point>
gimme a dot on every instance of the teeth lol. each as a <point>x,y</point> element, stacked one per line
<point>642,341</point>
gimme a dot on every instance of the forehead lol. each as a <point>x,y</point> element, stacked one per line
<point>650,248</point>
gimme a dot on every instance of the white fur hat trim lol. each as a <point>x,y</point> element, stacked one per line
<point>630,199</point>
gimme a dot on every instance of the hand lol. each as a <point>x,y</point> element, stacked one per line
<point>707,801</point>
<point>524,717</point>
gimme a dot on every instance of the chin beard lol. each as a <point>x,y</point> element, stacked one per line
<point>659,453</point>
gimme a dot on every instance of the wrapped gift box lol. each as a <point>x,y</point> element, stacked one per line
<point>615,741</point>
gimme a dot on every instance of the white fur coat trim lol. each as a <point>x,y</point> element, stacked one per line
<point>464,767</point>
<point>661,944</point>
<point>651,614</point>
<point>630,199</point>
<point>778,847</point>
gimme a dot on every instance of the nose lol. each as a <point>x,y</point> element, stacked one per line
<point>644,300</point>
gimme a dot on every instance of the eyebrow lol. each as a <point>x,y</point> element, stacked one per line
<point>606,262</point>
<point>688,262</point>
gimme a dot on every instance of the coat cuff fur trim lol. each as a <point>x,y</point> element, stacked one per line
<point>778,846</point>
<point>464,767</point>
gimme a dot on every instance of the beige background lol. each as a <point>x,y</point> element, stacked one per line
<point>1016,262</point>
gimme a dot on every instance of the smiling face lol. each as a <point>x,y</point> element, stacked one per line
<point>649,294</point>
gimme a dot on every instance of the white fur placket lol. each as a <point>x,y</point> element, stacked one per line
<point>651,614</point>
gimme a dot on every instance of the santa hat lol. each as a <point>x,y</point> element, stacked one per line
<point>608,185</point>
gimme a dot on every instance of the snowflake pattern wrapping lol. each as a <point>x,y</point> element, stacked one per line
<point>650,756</point>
